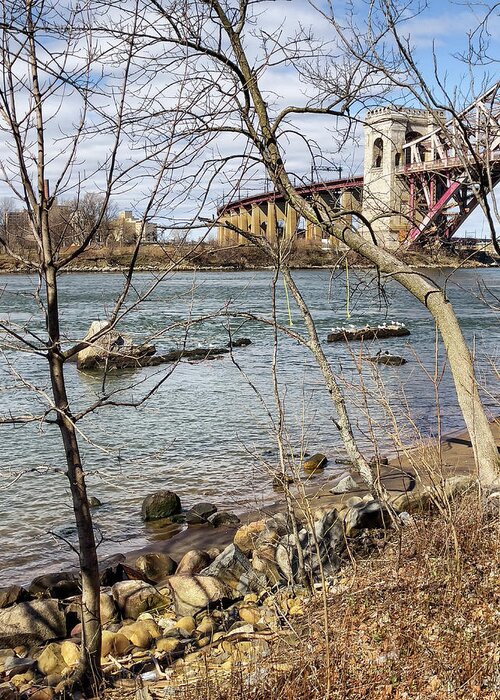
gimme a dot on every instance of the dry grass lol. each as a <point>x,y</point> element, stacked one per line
<point>416,619</point>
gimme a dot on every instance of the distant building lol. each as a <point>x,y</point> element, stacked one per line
<point>126,229</point>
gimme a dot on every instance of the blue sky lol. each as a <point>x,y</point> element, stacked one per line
<point>439,32</point>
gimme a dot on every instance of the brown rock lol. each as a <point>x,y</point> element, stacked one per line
<point>12,594</point>
<point>246,536</point>
<point>193,562</point>
<point>315,463</point>
<point>168,644</point>
<point>70,653</point>
<point>156,566</point>
<point>136,597</point>
<point>50,660</point>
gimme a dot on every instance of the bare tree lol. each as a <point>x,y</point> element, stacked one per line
<point>215,36</point>
<point>50,58</point>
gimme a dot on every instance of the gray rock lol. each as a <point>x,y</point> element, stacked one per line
<point>204,510</point>
<point>235,570</point>
<point>366,516</point>
<point>155,566</point>
<point>15,665</point>
<point>161,504</point>
<point>192,594</point>
<point>136,597</point>
<point>12,594</point>
<point>223,518</point>
<point>94,502</point>
<point>344,485</point>
<point>32,623</point>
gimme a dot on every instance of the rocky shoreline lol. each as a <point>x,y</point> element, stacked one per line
<point>220,594</point>
<point>164,620</point>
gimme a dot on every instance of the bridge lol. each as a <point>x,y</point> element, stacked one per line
<point>423,175</point>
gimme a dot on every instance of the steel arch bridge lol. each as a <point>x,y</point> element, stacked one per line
<point>423,176</point>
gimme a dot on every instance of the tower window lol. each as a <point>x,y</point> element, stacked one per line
<point>378,152</point>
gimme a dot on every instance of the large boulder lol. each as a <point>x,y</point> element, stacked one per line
<point>161,504</point>
<point>235,570</point>
<point>12,594</point>
<point>155,565</point>
<point>136,597</point>
<point>31,623</point>
<point>195,593</point>
<point>111,350</point>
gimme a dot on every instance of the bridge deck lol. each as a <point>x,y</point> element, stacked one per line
<point>305,190</point>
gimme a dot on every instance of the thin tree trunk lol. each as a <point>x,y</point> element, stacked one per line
<point>343,423</point>
<point>88,674</point>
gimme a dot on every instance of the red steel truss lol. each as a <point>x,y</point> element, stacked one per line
<point>450,169</point>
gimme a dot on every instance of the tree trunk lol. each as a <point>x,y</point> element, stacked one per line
<point>343,423</point>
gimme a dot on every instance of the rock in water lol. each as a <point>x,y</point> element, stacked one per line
<point>315,463</point>
<point>200,512</point>
<point>161,504</point>
<point>31,623</point>
<point>223,518</point>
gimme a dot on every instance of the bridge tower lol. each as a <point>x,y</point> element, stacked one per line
<point>386,196</point>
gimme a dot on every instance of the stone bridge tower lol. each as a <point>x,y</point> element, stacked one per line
<point>385,195</point>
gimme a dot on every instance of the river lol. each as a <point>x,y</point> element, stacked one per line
<point>206,432</point>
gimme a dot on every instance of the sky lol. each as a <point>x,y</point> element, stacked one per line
<point>438,35</point>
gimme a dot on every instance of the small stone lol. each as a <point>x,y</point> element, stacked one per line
<point>187,624</point>
<point>51,661</point>
<point>161,504</point>
<point>344,485</point>
<point>94,502</point>
<point>250,614</point>
<point>315,463</point>
<point>168,644</point>
<point>156,566</point>
<point>137,634</point>
<point>70,653</point>
<point>13,665</point>
<point>206,626</point>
